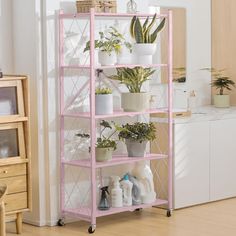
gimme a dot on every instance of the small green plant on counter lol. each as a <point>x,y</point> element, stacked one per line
<point>103,91</point>
<point>142,32</point>
<point>103,141</point>
<point>179,74</point>
<point>132,78</point>
<point>137,132</point>
<point>111,41</point>
<point>220,81</point>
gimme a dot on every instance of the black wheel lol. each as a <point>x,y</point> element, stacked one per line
<point>61,222</point>
<point>91,229</point>
<point>168,213</point>
<point>138,209</point>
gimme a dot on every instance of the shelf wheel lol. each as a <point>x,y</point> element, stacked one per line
<point>91,229</point>
<point>61,222</point>
<point>169,213</point>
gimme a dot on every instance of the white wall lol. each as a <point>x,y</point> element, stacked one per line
<point>198,44</point>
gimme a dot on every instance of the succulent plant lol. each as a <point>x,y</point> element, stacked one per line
<point>103,91</point>
<point>142,32</point>
<point>133,78</point>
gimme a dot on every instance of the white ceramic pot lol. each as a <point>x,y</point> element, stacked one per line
<point>103,154</point>
<point>144,52</point>
<point>106,59</point>
<point>135,101</point>
<point>221,101</point>
<point>103,104</point>
<point>135,148</point>
<point>124,57</point>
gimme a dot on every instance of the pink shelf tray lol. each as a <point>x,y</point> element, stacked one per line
<point>85,213</point>
<point>116,160</point>
<point>115,114</point>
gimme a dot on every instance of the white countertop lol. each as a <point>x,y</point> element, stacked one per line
<point>206,113</point>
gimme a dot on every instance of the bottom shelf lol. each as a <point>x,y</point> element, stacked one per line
<point>85,213</point>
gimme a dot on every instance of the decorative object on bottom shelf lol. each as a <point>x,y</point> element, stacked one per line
<point>133,79</point>
<point>144,175</point>
<point>103,101</point>
<point>136,190</point>
<point>109,45</point>
<point>136,137</point>
<point>127,187</point>
<point>145,45</point>
<point>116,192</point>
<point>221,82</point>
<point>104,201</point>
<point>105,145</point>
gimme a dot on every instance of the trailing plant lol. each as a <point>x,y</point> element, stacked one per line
<point>109,42</point>
<point>142,32</point>
<point>220,81</point>
<point>103,91</point>
<point>132,78</point>
<point>103,141</point>
<point>179,74</point>
<point>137,132</point>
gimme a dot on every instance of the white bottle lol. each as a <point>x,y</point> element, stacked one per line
<point>127,186</point>
<point>116,192</point>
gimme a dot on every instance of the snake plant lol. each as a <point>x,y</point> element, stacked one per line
<point>142,32</point>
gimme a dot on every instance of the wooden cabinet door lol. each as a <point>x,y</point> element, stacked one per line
<point>191,164</point>
<point>222,159</point>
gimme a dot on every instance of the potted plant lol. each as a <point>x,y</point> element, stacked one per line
<point>136,137</point>
<point>179,74</point>
<point>105,144</point>
<point>221,83</point>
<point>145,38</point>
<point>133,78</point>
<point>103,101</point>
<point>109,45</point>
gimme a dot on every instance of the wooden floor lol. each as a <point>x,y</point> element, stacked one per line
<point>214,219</point>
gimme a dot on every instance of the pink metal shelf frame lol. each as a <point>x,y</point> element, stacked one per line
<point>91,213</point>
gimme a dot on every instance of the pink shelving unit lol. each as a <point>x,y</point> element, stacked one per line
<point>89,212</point>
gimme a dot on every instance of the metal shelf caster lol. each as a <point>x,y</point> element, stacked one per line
<point>61,222</point>
<point>91,229</point>
<point>169,213</point>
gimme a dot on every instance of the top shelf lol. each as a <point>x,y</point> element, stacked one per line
<point>109,15</point>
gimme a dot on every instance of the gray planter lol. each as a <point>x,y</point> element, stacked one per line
<point>135,148</point>
<point>103,154</point>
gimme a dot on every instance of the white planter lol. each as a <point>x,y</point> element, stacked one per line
<point>124,57</point>
<point>103,154</point>
<point>221,101</point>
<point>144,52</point>
<point>135,101</point>
<point>103,104</point>
<point>106,59</point>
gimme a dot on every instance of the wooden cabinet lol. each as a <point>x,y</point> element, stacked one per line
<point>15,146</point>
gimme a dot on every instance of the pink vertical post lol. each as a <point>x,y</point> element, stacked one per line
<point>61,75</point>
<point>92,119</point>
<point>170,107</point>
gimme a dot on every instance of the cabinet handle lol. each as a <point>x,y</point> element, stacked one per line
<point>5,171</point>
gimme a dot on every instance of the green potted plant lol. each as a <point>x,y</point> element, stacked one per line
<point>133,79</point>
<point>105,144</point>
<point>145,37</point>
<point>110,44</point>
<point>103,101</point>
<point>221,82</point>
<point>136,137</point>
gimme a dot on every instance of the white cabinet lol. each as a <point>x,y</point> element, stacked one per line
<point>191,164</point>
<point>222,159</point>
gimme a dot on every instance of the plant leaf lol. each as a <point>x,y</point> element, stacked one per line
<point>139,37</point>
<point>158,29</point>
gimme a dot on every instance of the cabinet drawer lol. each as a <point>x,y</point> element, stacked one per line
<point>15,184</point>
<point>12,170</point>
<point>14,202</point>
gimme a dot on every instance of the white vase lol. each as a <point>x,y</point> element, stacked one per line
<point>222,101</point>
<point>124,57</point>
<point>107,59</point>
<point>103,154</point>
<point>144,52</point>
<point>135,101</point>
<point>103,104</point>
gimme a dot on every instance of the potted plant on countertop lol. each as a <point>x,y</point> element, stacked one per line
<point>133,79</point>
<point>221,83</point>
<point>110,44</point>
<point>136,137</point>
<point>105,144</point>
<point>103,101</point>
<point>145,38</point>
